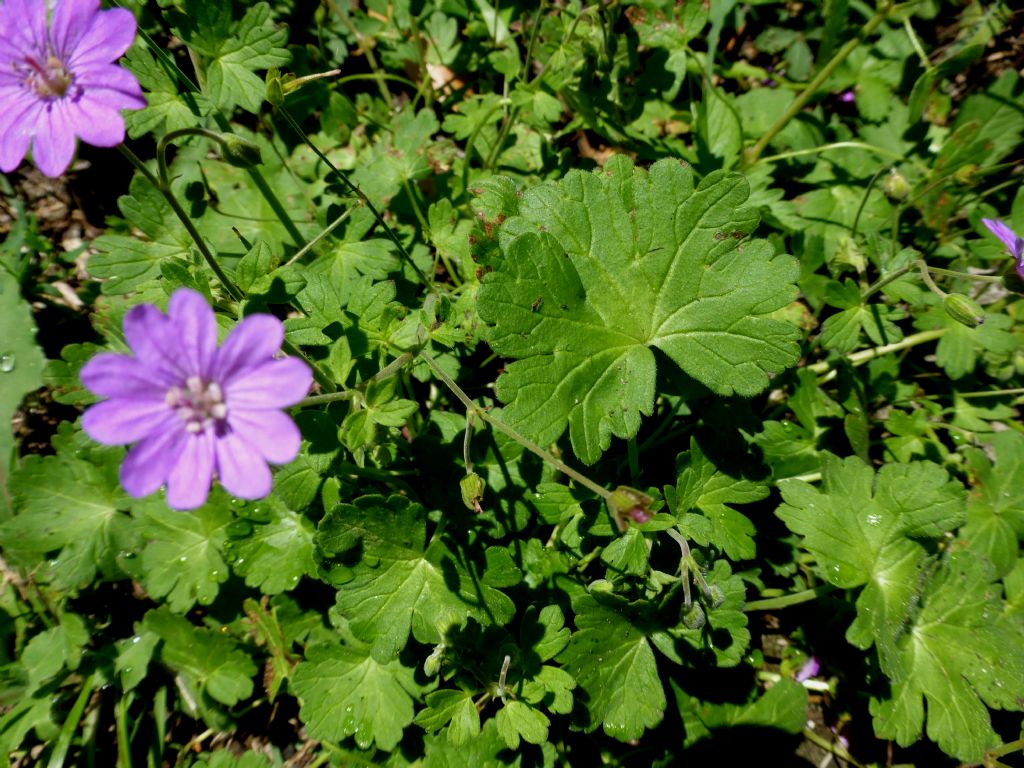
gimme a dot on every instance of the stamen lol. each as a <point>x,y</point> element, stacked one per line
<point>200,404</point>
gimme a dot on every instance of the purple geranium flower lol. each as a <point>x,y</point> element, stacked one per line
<point>194,409</point>
<point>58,80</point>
<point>1014,244</point>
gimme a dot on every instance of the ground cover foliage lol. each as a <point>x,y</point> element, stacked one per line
<point>667,404</point>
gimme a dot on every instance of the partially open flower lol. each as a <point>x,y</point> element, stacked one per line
<point>58,80</point>
<point>195,410</point>
<point>1014,245</point>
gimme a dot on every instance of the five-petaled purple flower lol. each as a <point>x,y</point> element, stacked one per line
<point>194,409</point>
<point>1014,244</point>
<point>58,80</point>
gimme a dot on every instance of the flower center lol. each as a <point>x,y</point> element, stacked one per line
<point>200,404</point>
<point>49,78</point>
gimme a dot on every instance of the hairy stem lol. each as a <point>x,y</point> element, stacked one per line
<point>528,444</point>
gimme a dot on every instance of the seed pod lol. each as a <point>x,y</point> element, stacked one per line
<point>964,310</point>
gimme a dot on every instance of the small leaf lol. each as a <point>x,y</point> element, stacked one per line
<point>345,692</point>
<point>612,661</point>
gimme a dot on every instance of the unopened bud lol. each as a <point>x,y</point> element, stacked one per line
<point>472,487</point>
<point>694,618</point>
<point>896,185</point>
<point>240,152</point>
<point>964,310</point>
<point>628,504</point>
<point>275,88</point>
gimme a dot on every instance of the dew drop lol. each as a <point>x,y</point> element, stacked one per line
<point>7,362</point>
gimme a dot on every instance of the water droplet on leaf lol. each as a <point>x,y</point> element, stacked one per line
<point>7,362</point>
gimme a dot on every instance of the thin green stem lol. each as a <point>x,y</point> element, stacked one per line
<point>347,183</point>
<point>752,155</point>
<point>922,268</point>
<point>834,145</point>
<point>466,439</point>
<point>634,460</point>
<point>387,371</point>
<point>785,601</point>
<point>229,285</point>
<point>323,233</point>
<point>528,444</point>
<point>1005,749</point>
<point>867,355</point>
<point>883,281</point>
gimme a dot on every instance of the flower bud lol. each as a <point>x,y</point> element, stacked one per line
<point>472,487</point>
<point>964,310</point>
<point>628,504</point>
<point>275,88</point>
<point>240,152</point>
<point>896,186</point>
<point>695,617</point>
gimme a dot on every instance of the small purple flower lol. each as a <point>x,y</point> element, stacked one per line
<point>808,670</point>
<point>1014,244</point>
<point>848,97</point>
<point>196,410</point>
<point>58,80</point>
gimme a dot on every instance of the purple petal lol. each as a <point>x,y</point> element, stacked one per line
<point>24,25</point>
<point>112,87</point>
<point>196,329</point>
<point>188,484</point>
<point>17,124</point>
<point>273,384</point>
<point>1003,232</point>
<point>53,145</point>
<point>250,343</point>
<point>148,464</point>
<point>108,37</point>
<point>149,333</point>
<point>98,124</point>
<point>808,670</point>
<point>112,375</point>
<point>241,469</point>
<point>125,420</point>
<point>70,20</point>
<point>272,433</point>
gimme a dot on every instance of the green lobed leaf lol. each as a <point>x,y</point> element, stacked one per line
<point>402,584</point>
<point>21,366</point>
<point>957,658</point>
<point>206,662</point>
<point>71,507</point>
<point>704,487</point>
<point>783,706</point>
<point>600,269</point>
<point>995,505</point>
<point>612,661</point>
<point>168,107</point>
<point>451,706</point>
<point>863,530</point>
<point>271,546</point>
<point>183,561</point>
<point>344,691</point>
<point>234,50</point>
